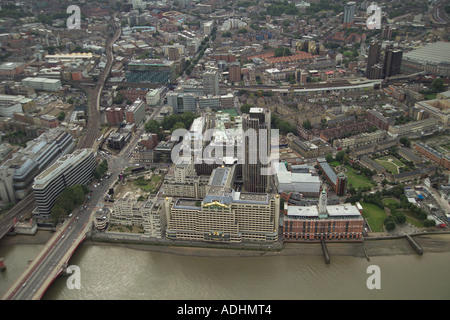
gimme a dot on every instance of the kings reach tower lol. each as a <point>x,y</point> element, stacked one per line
<point>256,128</point>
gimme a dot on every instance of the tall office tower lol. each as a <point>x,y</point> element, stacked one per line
<point>301,76</point>
<point>234,72</point>
<point>349,14</point>
<point>374,58</point>
<point>174,53</point>
<point>341,184</point>
<point>211,81</point>
<point>69,170</point>
<point>135,112</point>
<point>17,173</point>
<point>182,101</point>
<point>114,115</point>
<point>392,61</point>
<point>387,33</point>
<point>256,127</point>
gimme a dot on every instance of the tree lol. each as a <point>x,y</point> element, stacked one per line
<point>57,213</point>
<point>399,217</point>
<point>118,99</point>
<point>329,157</point>
<point>405,141</point>
<point>178,125</point>
<point>284,126</point>
<point>340,156</point>
<point>389,223</point>
<point>152,126</point>
<point>101,169</point>
<point>429,223</point>
<point>61,116</point>
<point>245,108</point>
<point>437,85</point>
<point>307,124</point>
<point>282,52</point>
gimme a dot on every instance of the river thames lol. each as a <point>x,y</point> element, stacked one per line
<point>122,273</point>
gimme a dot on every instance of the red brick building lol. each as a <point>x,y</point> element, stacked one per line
<point>114,115</point>
<point>316,223</point>
<point>433,155</point>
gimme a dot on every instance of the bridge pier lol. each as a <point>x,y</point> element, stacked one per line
<point>325,252</point>
<point>414,244</point>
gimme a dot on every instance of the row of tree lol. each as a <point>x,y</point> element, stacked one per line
<point>285,127</point>
<point>398,217</point>
<point>170,123</point>
<point>68,200</point>
<point>101,169</point>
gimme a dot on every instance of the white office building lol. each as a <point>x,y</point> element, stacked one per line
<point>43,84</point>
<point>182,102</point>
<point>17,173</point>
<point>67,171</point>
<point>211,81</point>
<point>300,182</point>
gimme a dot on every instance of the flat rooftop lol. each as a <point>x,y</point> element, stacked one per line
<point>433,53</point>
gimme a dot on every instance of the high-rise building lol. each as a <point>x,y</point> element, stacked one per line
<point>341,184</point>
<point>114,115</point>
<point>69,170</point>
<point>182,101</point>
<point>301,76</point>
<point>349,14</point>
<point>135,112</point>
<point>174,53</point>
<point>256,126</point>
<point>392,61</point>
<point>373,62</point>
<point>211,81</point>
<point>234,72</point>
<point>17,173</point>
<point>387,33</point>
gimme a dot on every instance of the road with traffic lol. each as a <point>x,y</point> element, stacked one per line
<point>33,282</point>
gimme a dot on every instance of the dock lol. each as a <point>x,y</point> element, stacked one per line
<point>326,255</point>
<point>415,245</point>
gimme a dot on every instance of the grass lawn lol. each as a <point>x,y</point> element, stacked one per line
<point>389,201</point>
<point>391,164</point>
<point>393,159</point>
<point>430,96</point>
<point>411,219</point>
<point>149,185</point>
<point>374,216</point>
<point>357,180</point>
